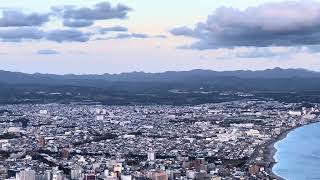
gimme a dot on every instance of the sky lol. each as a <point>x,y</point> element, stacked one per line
<point>114,36</point>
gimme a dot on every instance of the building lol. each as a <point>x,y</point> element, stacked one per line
<point>199,164</point>
<point>27,174</point>
<point>117,169</point>
<point>254,169</point>
<point>100,118</point>
<point>75,173</point>
<point>48,175</point>
<point>65,154</point>
<point>151,155</point>
<point>157,175</point>
<point>43,112</point>
<point>295,113</point>
<point>41,142</point>
<point>90,177</point>
<point>58,175</point>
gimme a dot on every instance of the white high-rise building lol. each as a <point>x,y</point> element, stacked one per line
<point>48,175</point>
<point>75,173</point>
<point>57,176</point>
<point>27,174</point>
<point>151,155</point>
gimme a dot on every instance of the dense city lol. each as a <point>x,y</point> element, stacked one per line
<point>229,140</point>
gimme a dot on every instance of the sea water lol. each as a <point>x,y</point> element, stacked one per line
<point>298,155</point>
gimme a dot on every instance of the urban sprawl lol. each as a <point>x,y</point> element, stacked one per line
<point>230,140</point>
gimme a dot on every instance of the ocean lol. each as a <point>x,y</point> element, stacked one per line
<point>298,155</point>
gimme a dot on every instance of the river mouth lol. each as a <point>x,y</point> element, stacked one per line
<point>298,155</point>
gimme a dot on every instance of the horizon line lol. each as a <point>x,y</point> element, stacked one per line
<point>162,72</point>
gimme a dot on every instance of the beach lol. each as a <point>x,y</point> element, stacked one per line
<point>270,152</point>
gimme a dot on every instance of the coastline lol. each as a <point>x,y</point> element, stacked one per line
<point>270,149</point>
<point>270,152</point>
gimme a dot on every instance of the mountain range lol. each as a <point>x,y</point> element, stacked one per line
<point>197,75</point>
<point>178,88</point>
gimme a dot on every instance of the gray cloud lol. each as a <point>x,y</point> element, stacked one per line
<point>139,35</point>
<point>77,23</point>
<point>71,17</point>
<point>160,36</point>
<point>113,29</point>
<point>183,31</point>
<point>260,53</point>
<point>136,35</point>
<point>31,33</point>
<point>47,52</point>
<point>273,24</point>
<point>67,36</point>
<point>18,34</point>
<point>101,11</point>
<point>311,49</point>
<point>12,18</point>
